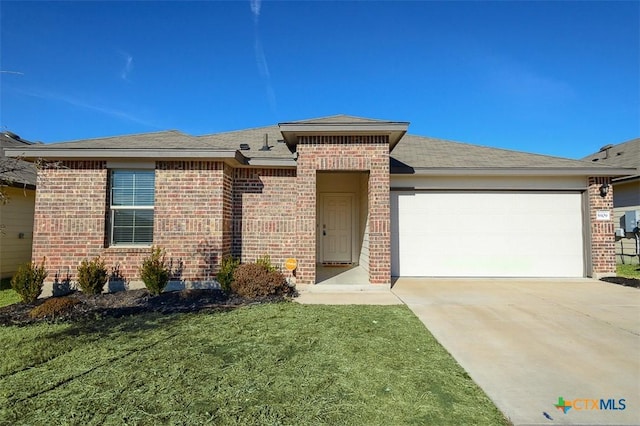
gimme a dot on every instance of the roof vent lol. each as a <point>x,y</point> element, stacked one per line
<point>244,147</point>
<point>265,145</point>
<point>606,149</point>
<point>12,135</point>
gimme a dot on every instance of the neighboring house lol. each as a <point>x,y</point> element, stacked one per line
<point>335,190</point>
<point>626,196</point>
<point>18,181</point>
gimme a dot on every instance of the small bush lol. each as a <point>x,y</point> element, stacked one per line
<point>92,276</point>
<point>54,307</point>
<point>225,274</point>
<point>253,280</point>
<point>154,271</point>
<point>265,262</point>
<point>28,281</point>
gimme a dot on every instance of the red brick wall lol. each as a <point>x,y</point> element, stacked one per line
<point>602,232</point>
<point>339,153</point>
<point>192,219</point>
<point>264,202</point>
<point>190,205</point>
<point>69,221</point>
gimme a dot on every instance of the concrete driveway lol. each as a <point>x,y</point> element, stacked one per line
<point>529,342</point>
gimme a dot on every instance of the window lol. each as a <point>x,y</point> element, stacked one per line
<point>132,196</point>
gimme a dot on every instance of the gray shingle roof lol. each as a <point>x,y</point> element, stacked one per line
<point>254,138</point>
<point>423,153</point>
<point>154,140</point>
<point>13,171</point>
<point>412,154</point>
<point>625,154</point>
<point>341,118</point>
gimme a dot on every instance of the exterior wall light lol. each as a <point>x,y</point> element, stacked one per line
<point>604,190</point>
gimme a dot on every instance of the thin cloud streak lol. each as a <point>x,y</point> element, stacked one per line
<point>255,9</point>
<point>80,103</point>
<point>11,72</point>
<point>261,58</point>
<point>128,66</point>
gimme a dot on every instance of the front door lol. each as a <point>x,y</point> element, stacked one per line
<point>336,228</point>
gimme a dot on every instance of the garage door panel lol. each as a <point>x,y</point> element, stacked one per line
<point>487,234</point>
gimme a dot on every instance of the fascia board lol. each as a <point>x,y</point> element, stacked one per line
<point>159,154</point>
<point>468,171</point>
<point>272,162</point>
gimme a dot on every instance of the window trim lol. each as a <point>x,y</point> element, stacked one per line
<point>113,209</point>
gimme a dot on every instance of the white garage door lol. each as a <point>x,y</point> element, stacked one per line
<point>490,234</point>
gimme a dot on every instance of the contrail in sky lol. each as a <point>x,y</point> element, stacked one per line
<point>261,59</point>
<point>11,72</point>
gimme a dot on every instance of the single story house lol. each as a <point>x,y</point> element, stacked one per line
<point>330,191</point>
<point>17,206</point>
<point>626,196</point>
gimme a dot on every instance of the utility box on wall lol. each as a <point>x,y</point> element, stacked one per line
<point>631,219</point>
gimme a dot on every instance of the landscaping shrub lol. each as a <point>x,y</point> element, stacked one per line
<point>254,280</point>
<point>92,276</point>
<point>225,274</point>
<point>154,271</point>
<point>265,262</point>
<point>53,307</point>
<point>28,281</point>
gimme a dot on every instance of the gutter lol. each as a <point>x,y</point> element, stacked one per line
<point>512,171</point>
<point>120,154</point>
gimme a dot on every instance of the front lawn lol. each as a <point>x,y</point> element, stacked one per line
<point>8,297</point>
<point>281,363</point>
<point>628,271</point>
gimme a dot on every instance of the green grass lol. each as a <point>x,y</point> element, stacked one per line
<point>8,297</point>
<point>628,271</point>
<point>266,364</point>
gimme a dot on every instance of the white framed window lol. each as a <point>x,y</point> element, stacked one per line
<point>131,207</point>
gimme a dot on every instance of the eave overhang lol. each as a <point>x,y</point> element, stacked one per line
<point>394,129</point>
<point>512,171</point>
<point>52,153</point>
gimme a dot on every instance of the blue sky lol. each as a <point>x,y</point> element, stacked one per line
<point>557,78</point>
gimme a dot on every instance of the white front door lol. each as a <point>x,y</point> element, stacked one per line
<point>335,228</point>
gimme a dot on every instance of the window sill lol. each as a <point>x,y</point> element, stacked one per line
<point>128,249</point>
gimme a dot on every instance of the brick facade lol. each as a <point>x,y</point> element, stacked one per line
<point>603,261</point>
<point>264,214</point>
<point>344,153</point>
<point>69,219</point>
<point>205,210</point>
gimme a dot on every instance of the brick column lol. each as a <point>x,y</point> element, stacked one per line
<point>602,231</point>
<point>306,219</point>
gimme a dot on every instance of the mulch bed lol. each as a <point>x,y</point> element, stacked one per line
<point>131,302</point>
<point>628,282</point>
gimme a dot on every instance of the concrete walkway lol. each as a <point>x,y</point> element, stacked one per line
<point>529,342</point>
<point>346,294</point>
